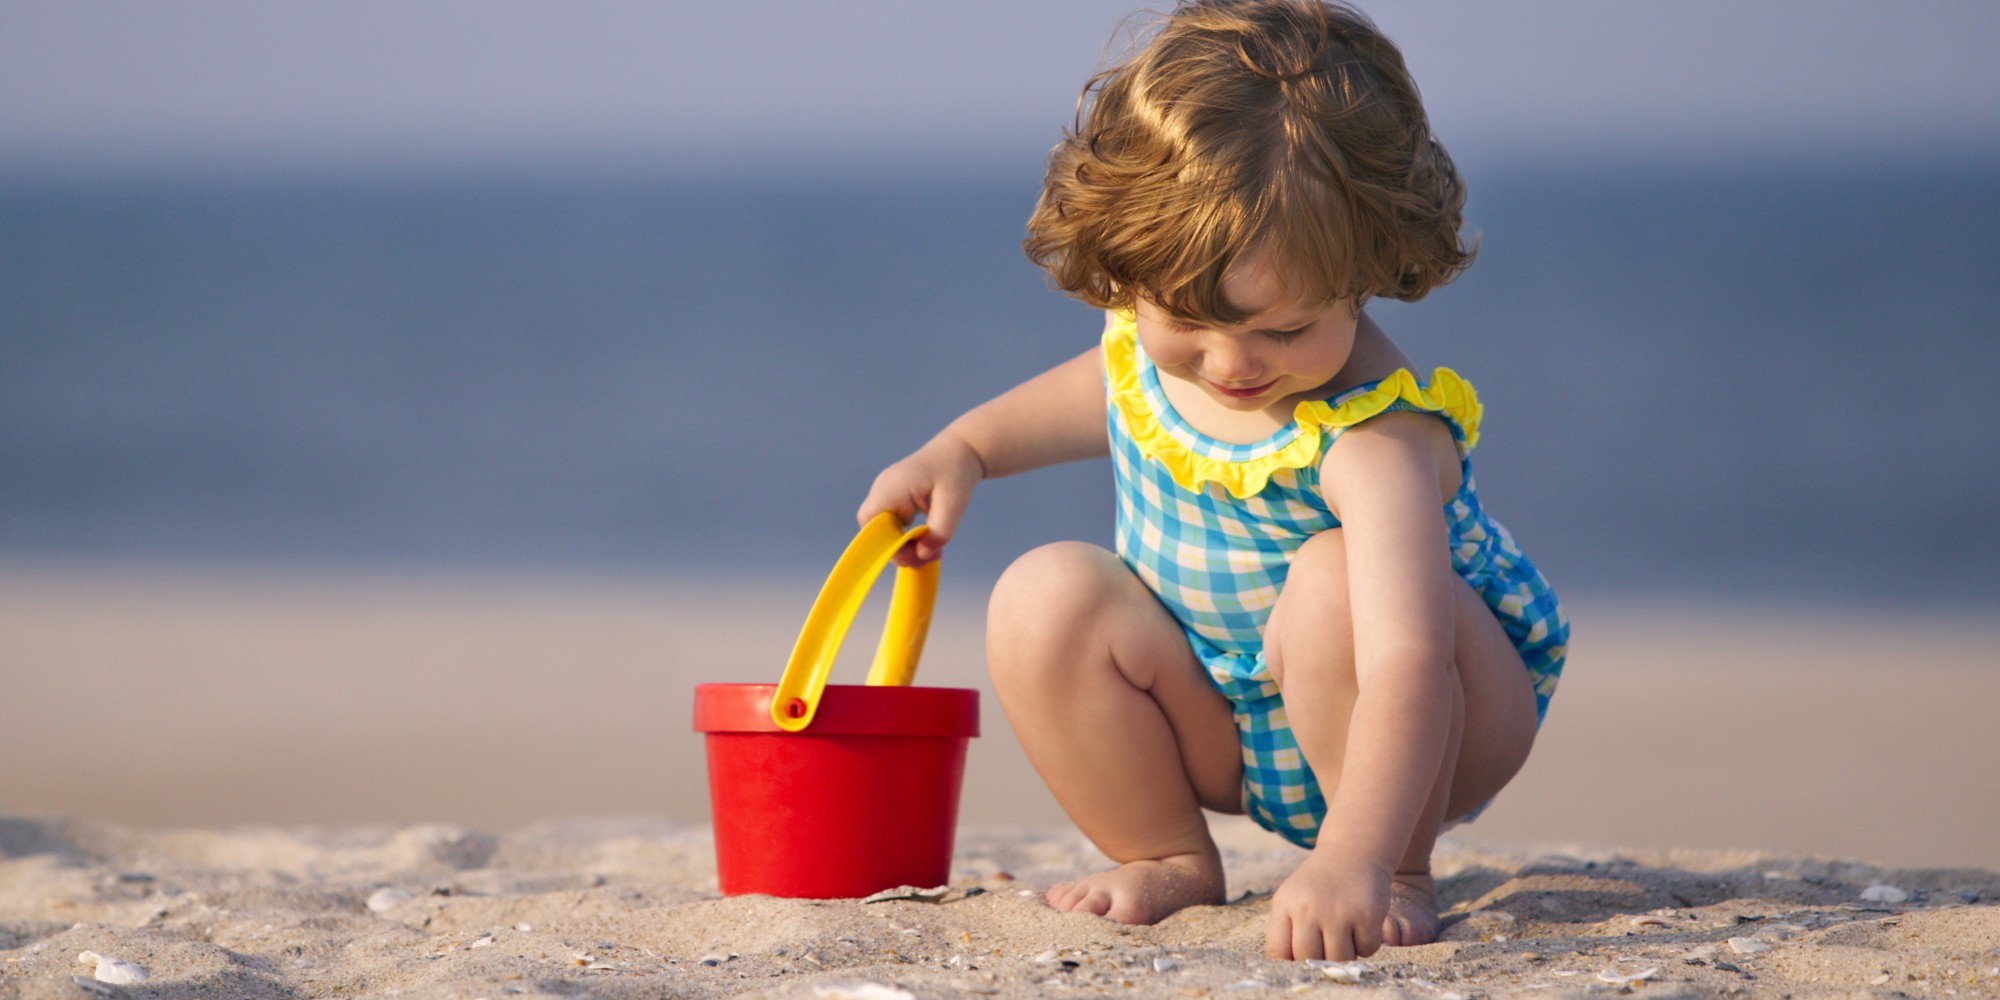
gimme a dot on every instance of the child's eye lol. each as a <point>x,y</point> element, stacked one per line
<point>1285,336</point>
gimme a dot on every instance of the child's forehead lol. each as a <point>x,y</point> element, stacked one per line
<point>1261,285</point>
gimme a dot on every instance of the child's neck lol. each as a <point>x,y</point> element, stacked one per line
<point>1214,420</point>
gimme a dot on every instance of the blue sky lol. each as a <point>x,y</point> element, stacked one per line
<point>204,84</point>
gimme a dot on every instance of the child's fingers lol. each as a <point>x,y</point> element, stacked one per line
<point>879,499</point>
<point>1367,937</point>
<point>1278,936</point>
<point>946,506</point>
<point>915,553</point>
<point>1310,942</point>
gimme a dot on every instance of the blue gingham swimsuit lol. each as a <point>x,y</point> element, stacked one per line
<point>1211,528</point>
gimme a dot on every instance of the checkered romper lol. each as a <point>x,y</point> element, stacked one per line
<point>1211,527</point>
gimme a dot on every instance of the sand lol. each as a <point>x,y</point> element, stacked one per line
<point>630,909</point>
<point>211,774</point>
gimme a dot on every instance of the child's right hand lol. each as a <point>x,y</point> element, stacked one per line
<point>936,481</point>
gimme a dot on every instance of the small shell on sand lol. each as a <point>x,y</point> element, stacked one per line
<point>1619,977</point>
<point>911,893</point>
<point>384,900</point>
<point>113,970</point>
<point>1882,892</point>
<point>862,991</point>
<point>1748,945</point>
<point>1349,973</point>
<point>1164,964</point>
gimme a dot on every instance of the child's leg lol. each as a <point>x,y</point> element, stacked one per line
<point>1115,713</point>
<point>1309,645</point>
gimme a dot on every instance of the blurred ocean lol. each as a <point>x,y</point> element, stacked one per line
<point>1773,383</point>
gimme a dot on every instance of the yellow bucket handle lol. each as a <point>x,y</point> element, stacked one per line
<point>797,698</point>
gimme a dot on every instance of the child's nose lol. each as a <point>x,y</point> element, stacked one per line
<point>1230,363</point>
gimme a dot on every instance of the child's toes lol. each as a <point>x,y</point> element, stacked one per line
<point>1081,896</point>
<point>1063,895</point>
<point>1096,901</point>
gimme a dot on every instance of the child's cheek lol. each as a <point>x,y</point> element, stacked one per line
<point>1164,352</point>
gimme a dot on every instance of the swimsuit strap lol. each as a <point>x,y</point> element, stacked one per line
<point>1316,421</point>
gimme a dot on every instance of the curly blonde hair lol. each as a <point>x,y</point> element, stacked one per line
<point>1244,125</point>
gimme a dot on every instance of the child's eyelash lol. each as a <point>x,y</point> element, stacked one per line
<point>1279,335</point>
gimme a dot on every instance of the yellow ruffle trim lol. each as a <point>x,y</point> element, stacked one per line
<point>1447,393</point>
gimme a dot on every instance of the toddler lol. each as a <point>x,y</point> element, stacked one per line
<point>1309,616</point>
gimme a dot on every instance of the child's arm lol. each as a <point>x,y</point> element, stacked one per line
<point>1057,416</point>
<point>1386,480</point>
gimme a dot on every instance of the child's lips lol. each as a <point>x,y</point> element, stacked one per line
<point>1249,392</point>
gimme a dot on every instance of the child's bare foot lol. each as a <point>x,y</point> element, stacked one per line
<point>1144,892</point>
<point>1413,910</point>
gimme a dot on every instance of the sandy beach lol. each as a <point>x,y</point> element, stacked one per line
<point>610,909</point>
<point>212,775</point>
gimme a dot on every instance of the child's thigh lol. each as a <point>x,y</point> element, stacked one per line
<point>1500,719</point>
<point>1071,621</point>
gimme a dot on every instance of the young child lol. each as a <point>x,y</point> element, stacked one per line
<point>1309,616</point>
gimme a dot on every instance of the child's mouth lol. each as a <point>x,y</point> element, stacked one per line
<point>1251,392</point>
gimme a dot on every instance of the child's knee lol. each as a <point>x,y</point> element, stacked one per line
<point>1321,562</point>
<point>1047,595</point>
<point>1052,578</point>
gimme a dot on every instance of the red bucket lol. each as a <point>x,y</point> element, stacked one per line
<point>864,800</point>
<point>827,792</point>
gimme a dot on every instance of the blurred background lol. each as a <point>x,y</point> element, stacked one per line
<point>403,404</point>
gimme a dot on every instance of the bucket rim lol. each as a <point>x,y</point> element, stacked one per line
<point>844,710</point>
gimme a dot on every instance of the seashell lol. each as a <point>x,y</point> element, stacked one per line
<point>1651,920</point>
<point>116,971</point>
<point>384,900</point>
<point>1618,978</point>
<point>524,928</point>
<point>484,942</point>
<point>1164,964</point>
<point>1882,892</point>
<point>1046,958</point>
<point>1349,973</point>
<point>1748,945</point>
<point>1880,980</point>
<point>861,991</point>
<point>911,893</point>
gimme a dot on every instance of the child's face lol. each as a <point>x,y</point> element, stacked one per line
<point>1288,349</point>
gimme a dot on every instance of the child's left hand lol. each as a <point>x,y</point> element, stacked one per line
<point>1330,907</point>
